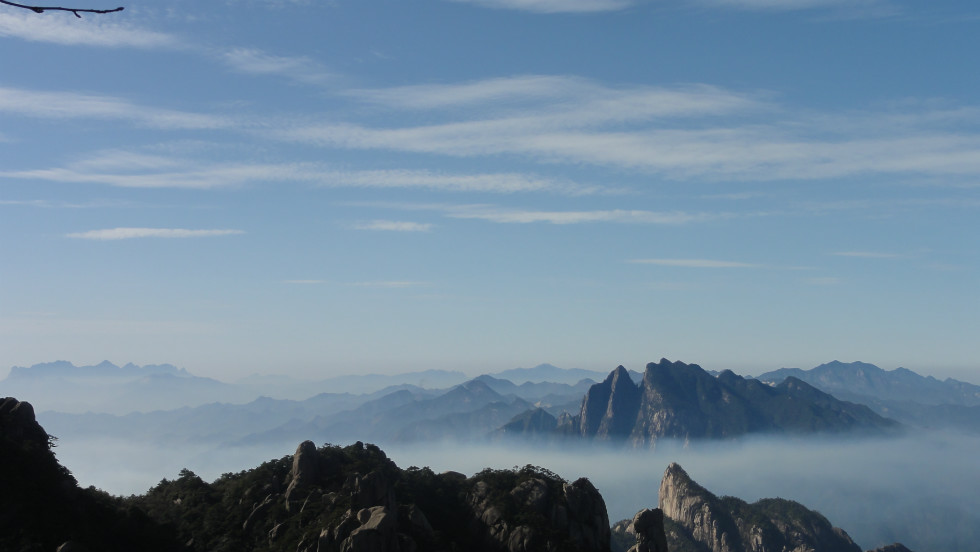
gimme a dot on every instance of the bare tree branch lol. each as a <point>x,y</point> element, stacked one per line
<point>42,9</point>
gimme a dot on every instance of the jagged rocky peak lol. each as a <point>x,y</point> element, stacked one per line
<point>609,408</point>
<point>729,524</point>
<point>698,511</point>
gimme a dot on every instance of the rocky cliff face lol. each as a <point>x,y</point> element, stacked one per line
<point>732,525</point>
<point>571,516</point>
<point>609,408</point>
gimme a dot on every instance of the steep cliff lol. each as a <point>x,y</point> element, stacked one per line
<point>729,524</point>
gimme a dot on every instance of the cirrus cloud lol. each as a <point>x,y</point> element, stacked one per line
<point>132,233</point>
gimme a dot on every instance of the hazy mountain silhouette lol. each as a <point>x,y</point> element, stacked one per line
<point>901,394</point>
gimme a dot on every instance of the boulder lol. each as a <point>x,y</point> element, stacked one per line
<point>376,533</point>
<point>304,472</point>
<point>648,527</point>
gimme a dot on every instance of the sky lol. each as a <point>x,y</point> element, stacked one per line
<point>320,188</point>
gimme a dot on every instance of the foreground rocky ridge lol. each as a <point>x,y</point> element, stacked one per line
<point>326,499</point>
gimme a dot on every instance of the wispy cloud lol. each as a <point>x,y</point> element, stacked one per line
<point>853,8</point>
<point>68,30</point>
<point>51,204</point>
<point>220,176</point>
<point>756,152</point>
<point>132,233</point>
<point>256,62</point>
<point>521,216</point>
<point>564,100</point>
<point>554,6</point>
<point>823,281</point>
<point>690,132</point>
<point>696,263</point>
<point>868,254</point>
<point>133,169</point>
<point>393,226</point>
<point>452,182</point>
<point>75,105</point>
<point>396,284</point>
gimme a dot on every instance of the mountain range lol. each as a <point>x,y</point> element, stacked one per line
<point>119,390</point>
<point>682,401</point>
<point>902,394</point>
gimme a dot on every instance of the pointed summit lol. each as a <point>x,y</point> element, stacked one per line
<point>609,408</point>
<point>708,523</point>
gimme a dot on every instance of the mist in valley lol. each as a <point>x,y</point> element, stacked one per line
<point>921,489</point>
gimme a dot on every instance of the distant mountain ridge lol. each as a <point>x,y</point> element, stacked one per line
<point>862,380</point>
<point>65,369</point>
<point>106,387</point>
<point>901,394</point>
<point>682,401</point>
<point>109,388</point>
<point>548,373</point>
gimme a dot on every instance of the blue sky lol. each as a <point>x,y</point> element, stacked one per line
<point>315,188</point>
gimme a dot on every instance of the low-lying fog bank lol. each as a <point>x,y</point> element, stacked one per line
<point>922,489</point>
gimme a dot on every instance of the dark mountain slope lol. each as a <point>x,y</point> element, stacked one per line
<point>42,507</point>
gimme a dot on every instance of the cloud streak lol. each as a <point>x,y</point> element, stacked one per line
<point>683,133</point>
<point>390,284</point>
<point>696,263</point>
<point>90,31</point>
<point>864,8</point>
<point>129,169</point>
<point>74,105</point>
<point>521,216</point>
<point>394,226</point>
<point>554,6</point>
<point>111,234</point>
<point>868,255</point>
<point>257,62</point>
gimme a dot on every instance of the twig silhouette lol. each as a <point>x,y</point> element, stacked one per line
<point>42,9</point>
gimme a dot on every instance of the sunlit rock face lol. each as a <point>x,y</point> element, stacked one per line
<point>731,525</point>
<point>609,408</point>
